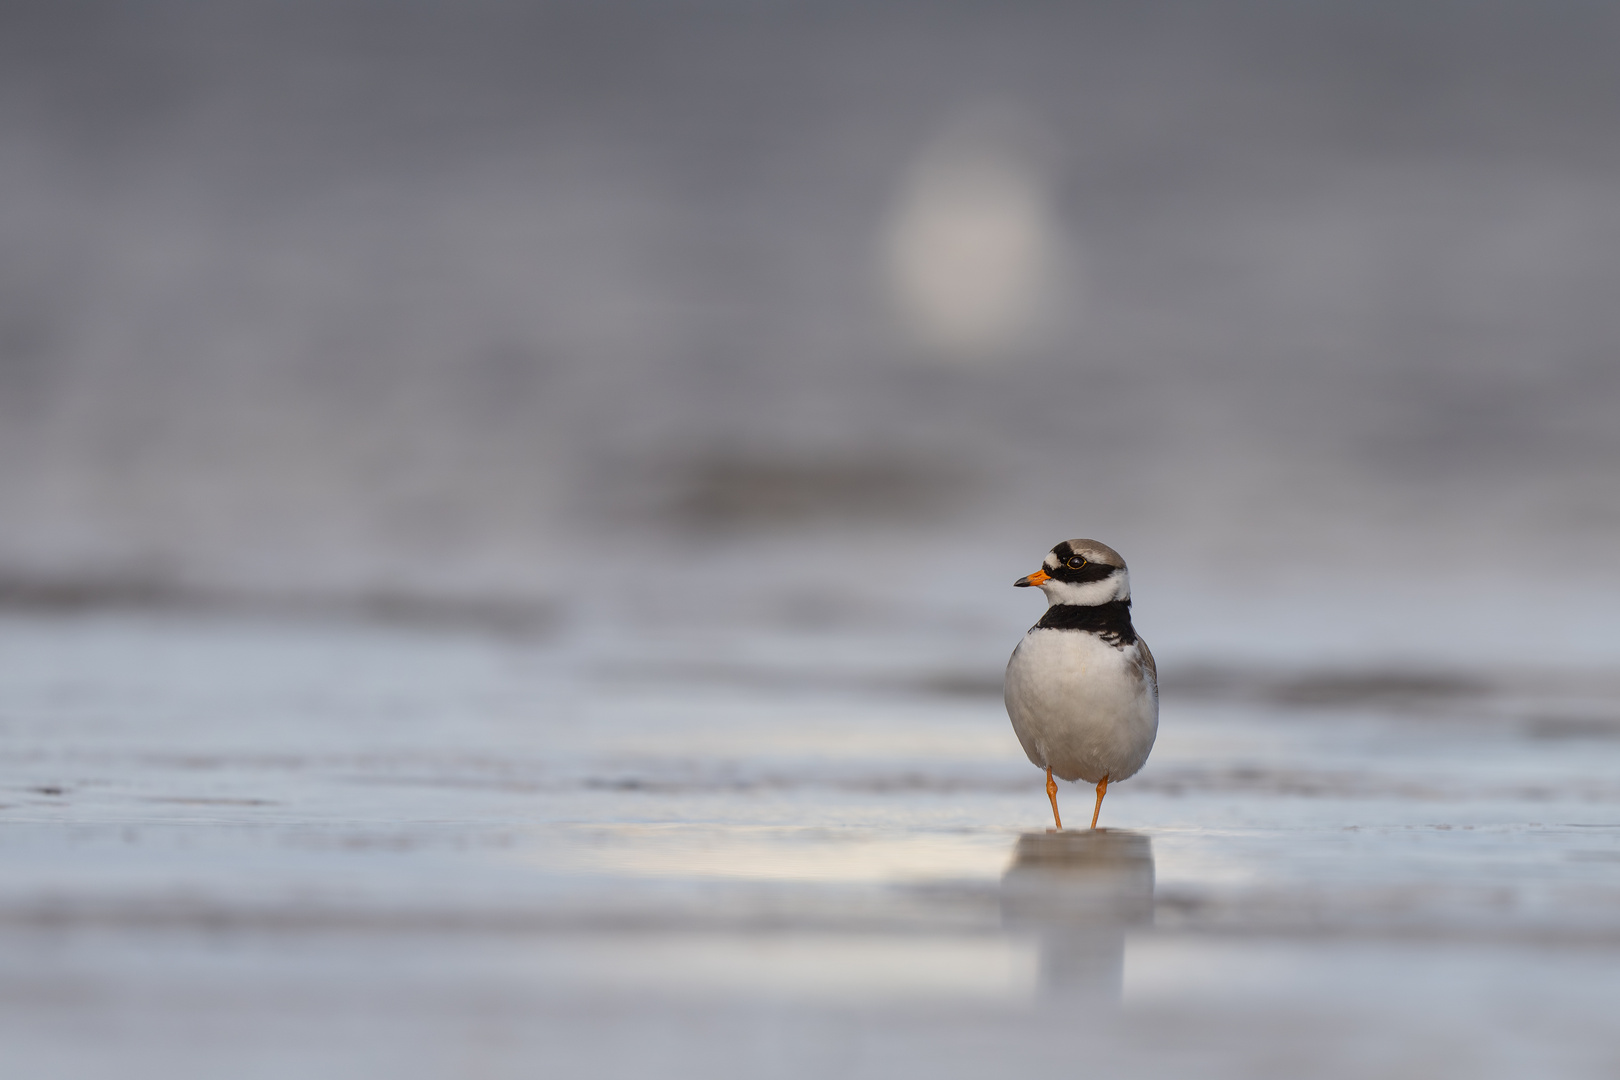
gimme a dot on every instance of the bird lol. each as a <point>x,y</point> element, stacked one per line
<point>1082,688</point>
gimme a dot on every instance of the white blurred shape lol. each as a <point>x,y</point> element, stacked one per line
<point>974,250</point>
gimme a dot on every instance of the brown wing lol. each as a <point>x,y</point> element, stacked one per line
<point>1148,661</point>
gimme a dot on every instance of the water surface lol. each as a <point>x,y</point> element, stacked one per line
<point>269,848</point>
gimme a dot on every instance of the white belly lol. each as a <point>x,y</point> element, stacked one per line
<point>1082,707</point>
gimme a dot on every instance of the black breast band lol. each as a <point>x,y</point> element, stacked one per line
<point>1110,621</point>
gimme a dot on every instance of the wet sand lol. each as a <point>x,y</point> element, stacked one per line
<point>279,847</point>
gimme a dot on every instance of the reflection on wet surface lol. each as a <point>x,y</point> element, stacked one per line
<point>1079,893</point>
<point>255,848</point>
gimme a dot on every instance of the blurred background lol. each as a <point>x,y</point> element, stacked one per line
<point>343,298</point>
<point>508,511</point>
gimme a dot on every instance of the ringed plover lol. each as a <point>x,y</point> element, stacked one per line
<point>1082,688</point>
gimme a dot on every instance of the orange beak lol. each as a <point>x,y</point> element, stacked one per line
<point>1034,579</point>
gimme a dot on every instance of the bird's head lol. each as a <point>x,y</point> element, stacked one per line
<point>1081,572</point>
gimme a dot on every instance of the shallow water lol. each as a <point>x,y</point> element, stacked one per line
<point>272,848</point>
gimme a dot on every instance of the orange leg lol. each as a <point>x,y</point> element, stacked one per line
<point>1102,789</point>
<point>1051,793</point>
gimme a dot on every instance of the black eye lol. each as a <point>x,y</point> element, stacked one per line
<point>1076,562</point>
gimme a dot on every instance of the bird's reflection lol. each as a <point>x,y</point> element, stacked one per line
<point>1080,892</point>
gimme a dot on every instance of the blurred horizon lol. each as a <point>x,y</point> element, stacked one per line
<point>356,297</point>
